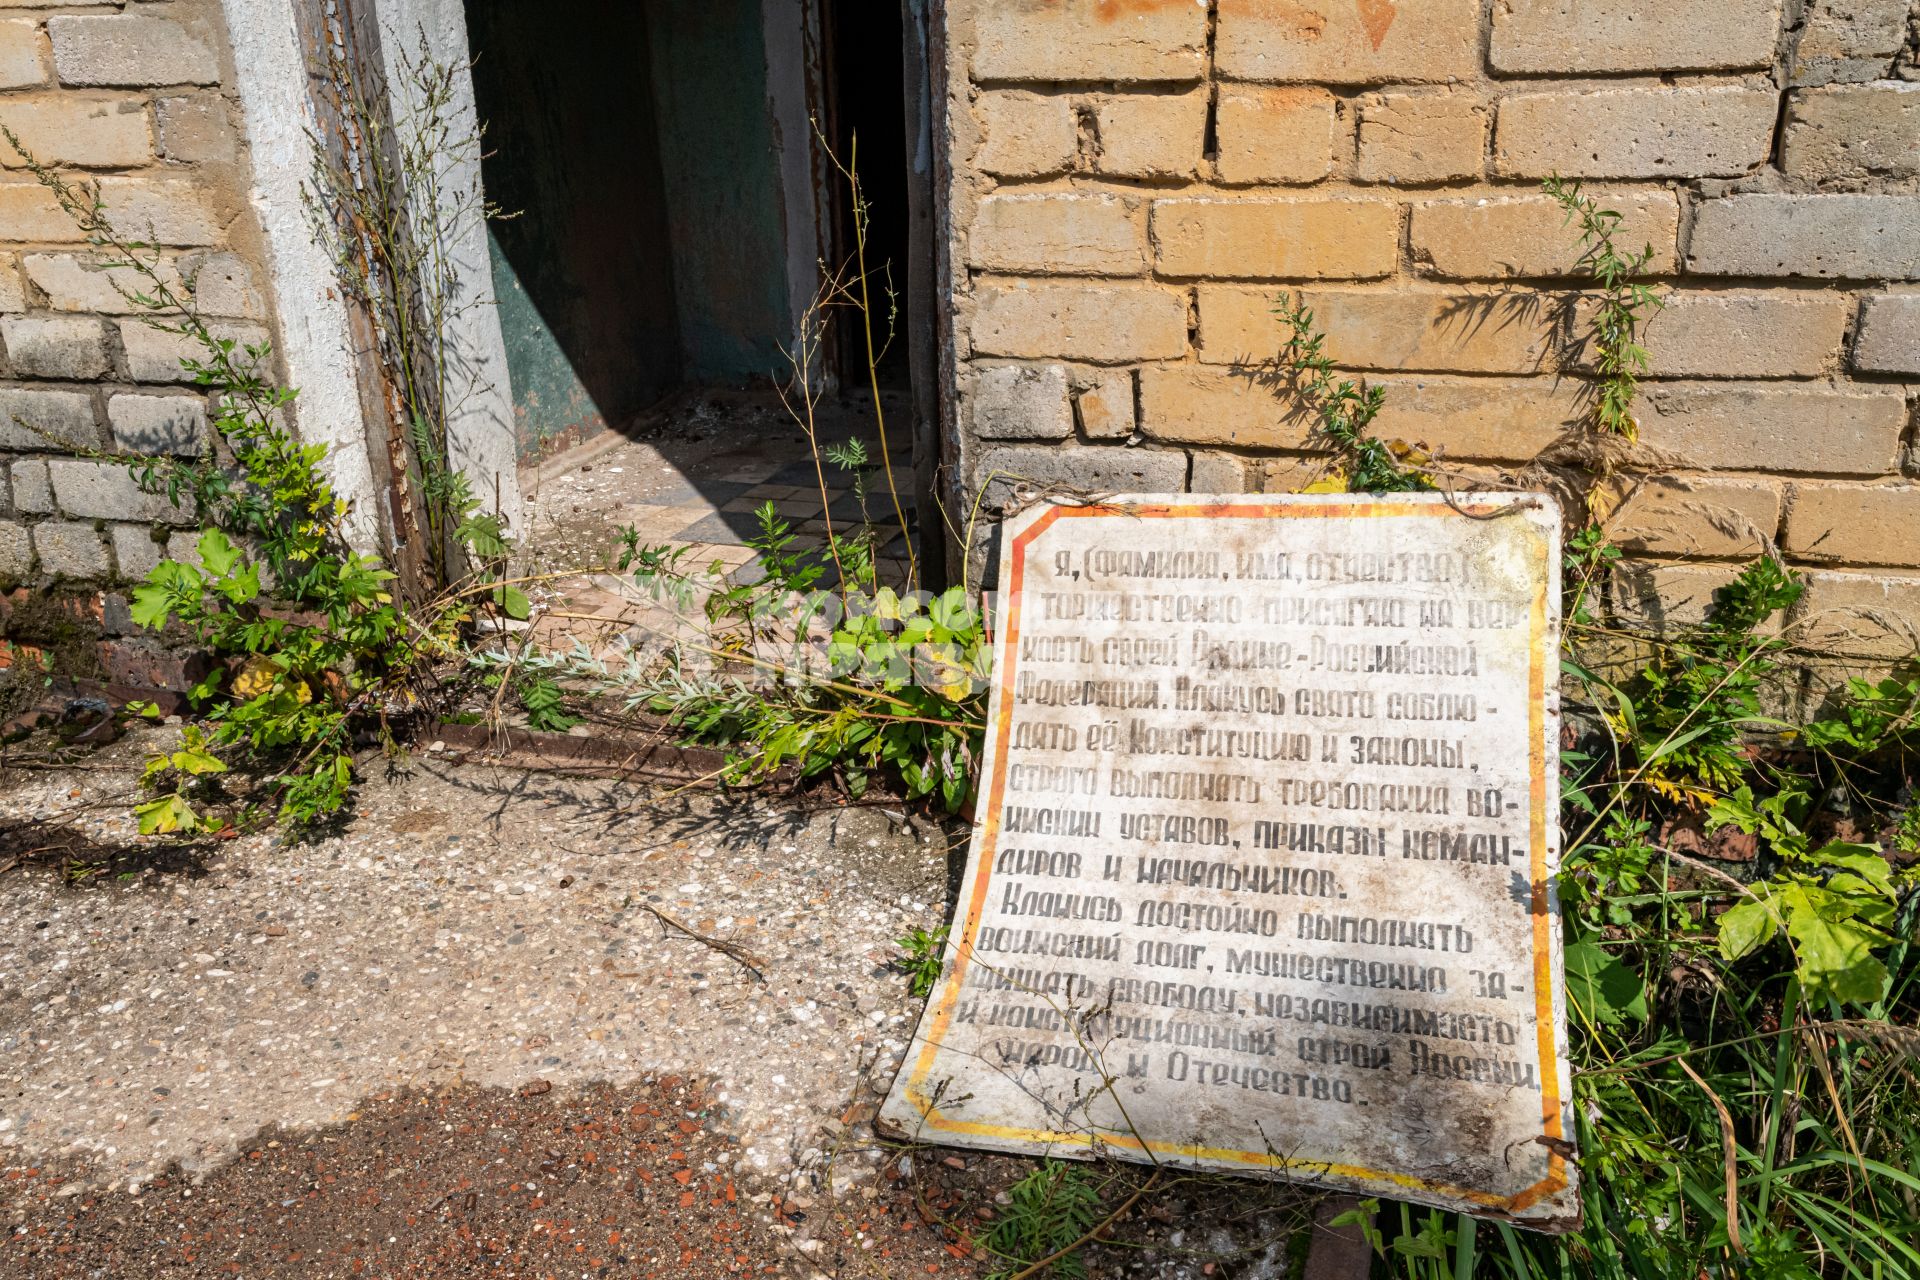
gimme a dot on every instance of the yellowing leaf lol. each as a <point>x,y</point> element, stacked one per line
<point>1334,483</point>
<point>195,762</point>
<point>255,677</point>
<point>165,816</point>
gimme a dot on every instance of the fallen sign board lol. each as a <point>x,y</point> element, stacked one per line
<point>1262,875</point>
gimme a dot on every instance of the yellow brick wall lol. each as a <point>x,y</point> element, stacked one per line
<point>1135,182</point>
<point>135,103</point>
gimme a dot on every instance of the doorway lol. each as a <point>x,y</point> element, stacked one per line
<point>647,152</point>
<point>863,74</point>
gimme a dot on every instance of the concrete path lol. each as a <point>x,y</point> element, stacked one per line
<point>471,925</point>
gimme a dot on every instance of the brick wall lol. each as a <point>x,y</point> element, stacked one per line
<point>135,101</point>
<point>128,98</point>
<point>1135,181</point>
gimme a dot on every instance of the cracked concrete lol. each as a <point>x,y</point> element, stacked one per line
<point>470,924</point>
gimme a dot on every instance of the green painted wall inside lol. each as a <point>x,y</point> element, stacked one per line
<point>636,144</point>
<point>723,185</point>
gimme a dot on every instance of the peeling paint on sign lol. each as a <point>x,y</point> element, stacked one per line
<point>1263,876</point>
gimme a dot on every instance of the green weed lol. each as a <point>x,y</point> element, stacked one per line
<point>1620,312</point>
<point>308,641</point>
<point>922,959</point>
<point>1049,1210</point>
<point>1342,412</point>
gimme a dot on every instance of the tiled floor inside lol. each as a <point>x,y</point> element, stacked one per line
<point>697,481</point>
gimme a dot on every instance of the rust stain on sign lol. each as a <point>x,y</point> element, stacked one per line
<point>1262,880</point>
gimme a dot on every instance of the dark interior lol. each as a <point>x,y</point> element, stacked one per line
<point>635,144</point>
<point>867,95</point>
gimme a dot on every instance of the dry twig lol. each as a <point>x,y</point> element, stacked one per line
<point>731,950</point>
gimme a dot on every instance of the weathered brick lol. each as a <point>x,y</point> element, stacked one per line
<point>170,211</point>
<point>1697,516</point>
<point>1196,404</point>
<point>1492,238</point>
<point>1855,524</point>
<point>77,282</point>
<point>1103,403</point>
<point>170,424</point>
<point>137,548</point>
<point>66,416</point>
<point>1290,473</point>
<point>1699,132</point>
<point>196,129</point>
<point>1022,135</point>
<point>1072,234</point>
<point>1156,135</point>
<point>1477,333</point>
<point>1853,131</point>
<point>1274,134</point>
<point>1276,239</point>
<point>1857,614</point>
<point>1090,40</point>
<point>1477,418</point>
<point>1744,334</point>
<point>13,292</point>
<point>1843,41</point>
<point>1580,37</point>
<point>32,490</point>
<point>55,346</point>
<point>1335,42</point>
<point>222,284</point>
<point>23,56</point>
<point>1101,324</point>
<point>107,491</point>
<point>128,49</point>
<point>1830,237</point>
<point>75,130</point>
<point>28,212</point>
<point>1428,137</point>
<point>70,550</point>
<point>1021,402</point>
<point>1888,340</point>
<point>1104,469</point>
<point>1659,596</point>
<point>16,551</point>
<point>1221,473</point>
<point>154,355</point>
<point>1836,431</point>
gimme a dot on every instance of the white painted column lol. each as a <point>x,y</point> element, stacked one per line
<point>480,427</point>
<point>310,315</point>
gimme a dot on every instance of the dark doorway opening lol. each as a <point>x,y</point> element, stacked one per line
<point>637,144</point>
<point>673,204</point>
<point>864,76</point>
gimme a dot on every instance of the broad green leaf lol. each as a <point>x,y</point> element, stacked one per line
<point>952,611</point>
<point>1737,809</point>
<point>1605,988</point>
<point>217,554</point>
<point>1744,928</point>
<point>1835,949</point>
<point>149,607</point>
<point>1863,860</point>
<point>512,602</point>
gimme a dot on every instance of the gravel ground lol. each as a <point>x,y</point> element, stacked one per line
<point>454,1039</point>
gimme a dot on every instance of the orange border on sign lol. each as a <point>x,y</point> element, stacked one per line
<point>1550,1104</point>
